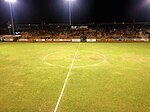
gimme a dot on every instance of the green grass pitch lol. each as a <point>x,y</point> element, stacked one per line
<point>106,77</point>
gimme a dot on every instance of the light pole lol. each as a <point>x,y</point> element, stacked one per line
<point>70,12</point>
<point>11,14</point>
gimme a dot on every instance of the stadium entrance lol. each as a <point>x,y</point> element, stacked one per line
<point>83,38</point>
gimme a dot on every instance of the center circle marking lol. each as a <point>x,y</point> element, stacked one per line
<point>100,58</point>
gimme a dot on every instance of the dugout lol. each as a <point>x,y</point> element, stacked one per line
<point>9,38</point>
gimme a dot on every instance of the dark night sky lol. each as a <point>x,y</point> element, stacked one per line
<point>83,11</point>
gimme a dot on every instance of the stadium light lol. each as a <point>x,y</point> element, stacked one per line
<point>70,15</point>
<point>11,1</point>
<point>11,14</point>
<point>70,0</point>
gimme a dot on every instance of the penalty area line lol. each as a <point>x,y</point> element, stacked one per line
<point>62,91</point>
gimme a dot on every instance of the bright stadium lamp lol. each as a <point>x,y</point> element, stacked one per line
<point>70,15</point>
<point>70,0</point>
<point>11,14</point>
<point>11,1</point>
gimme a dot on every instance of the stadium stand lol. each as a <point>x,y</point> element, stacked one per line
<point>80,33</point>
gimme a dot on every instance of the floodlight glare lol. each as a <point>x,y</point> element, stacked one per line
<point>70,4</point>
<point>11,14</point>
<point>70,0</point>
<point>11,1</point>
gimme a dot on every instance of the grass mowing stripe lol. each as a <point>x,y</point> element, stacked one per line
<point>62,91</point>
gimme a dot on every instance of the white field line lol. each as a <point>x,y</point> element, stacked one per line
<point>92,65</point>
<point>62,91</point>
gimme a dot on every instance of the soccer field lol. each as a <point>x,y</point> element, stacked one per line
<point>102,77</point>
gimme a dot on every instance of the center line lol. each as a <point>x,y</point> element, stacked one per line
<point>62,91</point>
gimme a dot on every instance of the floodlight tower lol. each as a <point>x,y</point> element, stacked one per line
<point>70,12</point>
<point>11,14</point>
